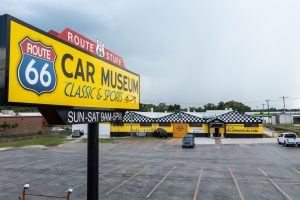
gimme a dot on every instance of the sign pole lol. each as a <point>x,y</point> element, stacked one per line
<point>93,161</point>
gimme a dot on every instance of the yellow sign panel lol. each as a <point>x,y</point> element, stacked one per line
<point>44,70</point>
<point>240,128</point>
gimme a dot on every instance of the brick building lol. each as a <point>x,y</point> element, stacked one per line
<point>22,122</point>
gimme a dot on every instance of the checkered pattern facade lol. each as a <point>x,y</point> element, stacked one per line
<point>136,118</point>
<point>235,117</point>
<point>180,117</point>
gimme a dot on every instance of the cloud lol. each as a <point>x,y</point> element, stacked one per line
<point>189,52</point>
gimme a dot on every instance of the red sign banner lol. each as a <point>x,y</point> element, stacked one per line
<point>95,48</point>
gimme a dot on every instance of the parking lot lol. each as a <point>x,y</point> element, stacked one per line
<point>156,170</point>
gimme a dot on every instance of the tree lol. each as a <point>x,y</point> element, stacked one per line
<point>199,109</point>
<point>174,108</point>
<point>210,106</point>
<point>221,105</point>
<point>237,106</point>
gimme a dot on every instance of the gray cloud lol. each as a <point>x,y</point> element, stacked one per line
<point>189,52</point>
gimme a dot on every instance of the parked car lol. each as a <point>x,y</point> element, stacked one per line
<point>160,133</point>
<point>190,135</point>
<point>188,142</point>
<point>288,139</point>
<point>57,129</point>
<point>76,134</point>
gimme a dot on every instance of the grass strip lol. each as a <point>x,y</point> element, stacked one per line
<point>41,141</point>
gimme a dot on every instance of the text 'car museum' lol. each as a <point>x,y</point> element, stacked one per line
<point>226,123</point>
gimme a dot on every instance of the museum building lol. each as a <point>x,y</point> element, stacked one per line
<point>223,123</point>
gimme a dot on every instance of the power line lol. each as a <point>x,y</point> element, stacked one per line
<point>268,106</point>
<point>283,100</point>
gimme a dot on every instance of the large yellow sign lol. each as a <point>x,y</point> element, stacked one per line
<point>240,128</point>
<point>45,70</point>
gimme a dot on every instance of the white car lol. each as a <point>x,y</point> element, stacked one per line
<point>57,129</point>
<point>288,139</point>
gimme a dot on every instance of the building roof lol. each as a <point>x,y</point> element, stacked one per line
<point>235,117</point>
<point>226,116</point>
<point>134,117</point>
<point>153,114</point>
<point>180,117</point>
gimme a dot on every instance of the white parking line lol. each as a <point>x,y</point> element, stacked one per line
<point>275,185</point>
<point>198,183</point>
<point>160,182</point>
<point>107,193</point>
<point>295,170</point>
<point>81,184</point>
<point>56,180</point>
<point>236,184</point>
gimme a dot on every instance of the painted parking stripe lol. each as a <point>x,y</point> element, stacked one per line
<point>77,186</point>
<point>34,178</point>
<point>295,170</point>
<point>236,184</point>
<point>107,193</point>
<point>162,180</point>
<point>84,182</point>
<point>275,185</point>
<point>198,184</point>
<point>57,180</point>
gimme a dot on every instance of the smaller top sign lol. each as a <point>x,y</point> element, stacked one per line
<point>95,48</point>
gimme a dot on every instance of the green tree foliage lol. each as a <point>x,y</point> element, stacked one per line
<point>210,106</point>
<point>174,108</point>
<point>6,125</point>
<point>196,109</point>
<point>19,109</point>
<point>237,106</point>
<point>162,107</point>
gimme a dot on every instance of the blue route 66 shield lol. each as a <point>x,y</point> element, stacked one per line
<point>36,70</point>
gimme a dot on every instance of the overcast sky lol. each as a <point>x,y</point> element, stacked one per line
<point>189,52</point>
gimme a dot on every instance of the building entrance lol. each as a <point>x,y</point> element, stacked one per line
<point>179,129</point>
<point>217,132</point>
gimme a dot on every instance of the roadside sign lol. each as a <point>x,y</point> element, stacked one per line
<point>43,70</point>
<point>80,116</point>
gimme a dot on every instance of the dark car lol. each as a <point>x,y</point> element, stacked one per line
<point>160,133</point>
<point>188,142</point>
<point>76,134</point>
<point>190,135</point>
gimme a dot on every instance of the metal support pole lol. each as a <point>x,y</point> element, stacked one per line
<point>93,161</point>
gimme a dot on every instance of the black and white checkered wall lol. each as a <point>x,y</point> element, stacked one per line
<point>230,117</point>
<point>180,117</point>
<point>235,117</point>
<point>136,118</point>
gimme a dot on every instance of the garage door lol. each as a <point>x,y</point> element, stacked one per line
<point>179,129</point>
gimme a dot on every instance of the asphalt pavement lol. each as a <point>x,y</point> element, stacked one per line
<point>156,170</point>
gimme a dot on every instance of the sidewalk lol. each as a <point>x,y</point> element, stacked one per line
<point>204,140</point>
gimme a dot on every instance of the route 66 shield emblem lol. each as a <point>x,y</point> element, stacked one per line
<point>36,70</point>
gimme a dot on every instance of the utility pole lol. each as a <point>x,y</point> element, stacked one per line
<point>268,109</point>
<point>263,105</point>
<point>283,99</point>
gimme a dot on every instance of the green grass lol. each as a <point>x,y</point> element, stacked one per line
<point>285,128</point>
<point>107,140</point>
<point>49,142</point>
<point>267,136</point>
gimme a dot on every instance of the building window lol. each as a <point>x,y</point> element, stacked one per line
<point>250,125</point>
<point>195,124</point>
<point>164,124</point>
<point>146,124</point>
